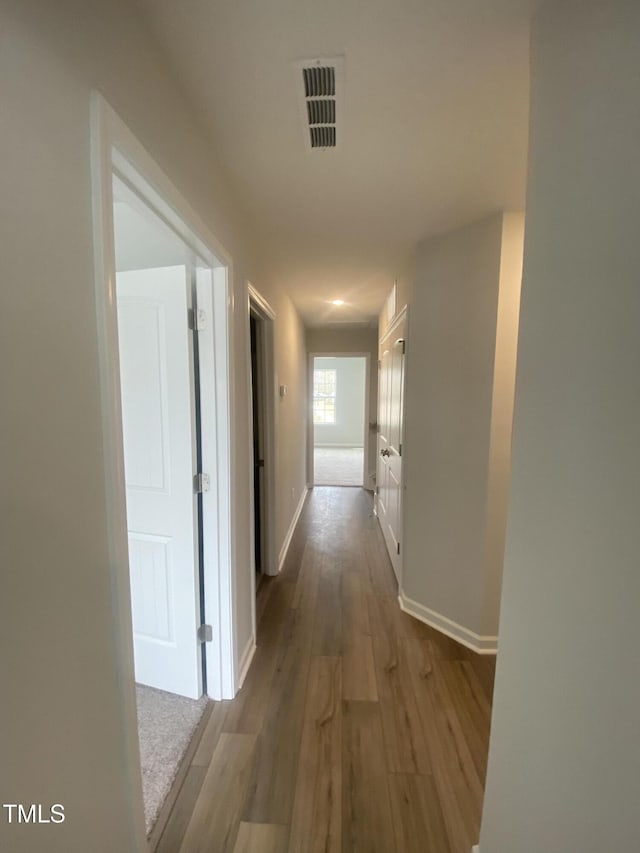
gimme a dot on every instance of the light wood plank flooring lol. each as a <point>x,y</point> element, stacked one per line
<point>358,729</point>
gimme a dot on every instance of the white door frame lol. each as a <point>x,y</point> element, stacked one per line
<point>310,435</point>
<point>257,304</point>
<point>115,150</point>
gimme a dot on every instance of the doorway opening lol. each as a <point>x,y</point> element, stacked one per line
<point>163,322</point>
<point>263,389</point>
<point>156,289</point>
<point>339,406</point>
<point>258,444</point>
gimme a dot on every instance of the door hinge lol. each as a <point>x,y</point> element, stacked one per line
<point>398,548</point>
<point>205,634</point>
<point>377,490</point>
<point>400,450</point>
<point>201,483</point>
<point>404,345</point>
<point>197,319</point>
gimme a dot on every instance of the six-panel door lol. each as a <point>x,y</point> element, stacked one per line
<point>157,388</point>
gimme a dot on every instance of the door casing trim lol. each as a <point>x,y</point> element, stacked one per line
<point>115,150</point>
<point>257,304</point>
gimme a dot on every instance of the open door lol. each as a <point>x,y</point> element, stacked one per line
<point>158,415</point>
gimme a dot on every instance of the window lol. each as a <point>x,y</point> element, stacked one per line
<point>324,396</point>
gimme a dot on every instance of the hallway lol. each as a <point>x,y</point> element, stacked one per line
<point>357,729</point>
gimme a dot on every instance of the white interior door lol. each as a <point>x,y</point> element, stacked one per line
<point>157,387</point>
<point>390,417</point>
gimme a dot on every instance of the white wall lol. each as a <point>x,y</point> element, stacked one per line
<point>348,430</point>
<point>62,733</point>
<point>336,339</point>
<point>291,411</point>
<point>459,396</point>
<point>564,763</point>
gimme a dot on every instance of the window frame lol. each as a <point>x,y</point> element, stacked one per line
<point>321,398</point>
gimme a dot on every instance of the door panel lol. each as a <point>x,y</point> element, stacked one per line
<point>151,563</point>
<point>383,420</point>
<point>156,370</point>
<point>391,405</point>
<point>143,383</point>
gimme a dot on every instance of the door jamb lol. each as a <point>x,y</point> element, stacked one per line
<point>115,150</point>
<point>367,403</point>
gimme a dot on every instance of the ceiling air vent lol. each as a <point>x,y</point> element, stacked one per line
<point>320,83</point>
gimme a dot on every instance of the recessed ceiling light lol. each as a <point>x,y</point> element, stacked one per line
<point>337,301</point>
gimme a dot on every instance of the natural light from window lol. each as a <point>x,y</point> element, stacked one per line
<point>324,396</point>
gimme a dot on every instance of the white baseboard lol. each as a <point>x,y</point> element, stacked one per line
<point>475,848</point>
<point>245,662</point>
<point>482,645</point>
<point>292,527</point>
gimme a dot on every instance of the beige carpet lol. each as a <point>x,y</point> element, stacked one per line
<point>166,724</point>
<point>338,466</point>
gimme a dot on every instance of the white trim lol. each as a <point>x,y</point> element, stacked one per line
<point>260,302</point>
<point>393,326</point>
<point>245,662</point>
<point>104,280</point>
<point>292,527</point>
<point>475,848</point>
<point>115,151</point>
<point>219,534</point>
<point>311,477</point>
<point>482,645</point>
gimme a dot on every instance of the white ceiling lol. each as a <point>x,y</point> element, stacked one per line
<point>434,127</point>
<point>142,242</point>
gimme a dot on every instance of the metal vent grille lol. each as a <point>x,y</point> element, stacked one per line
<point>323,137</point>
<point>319,82</point>
<point>319,92</point>
<point>321,112</point>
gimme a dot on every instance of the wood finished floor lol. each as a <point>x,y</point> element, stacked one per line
<point>358,728</point>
